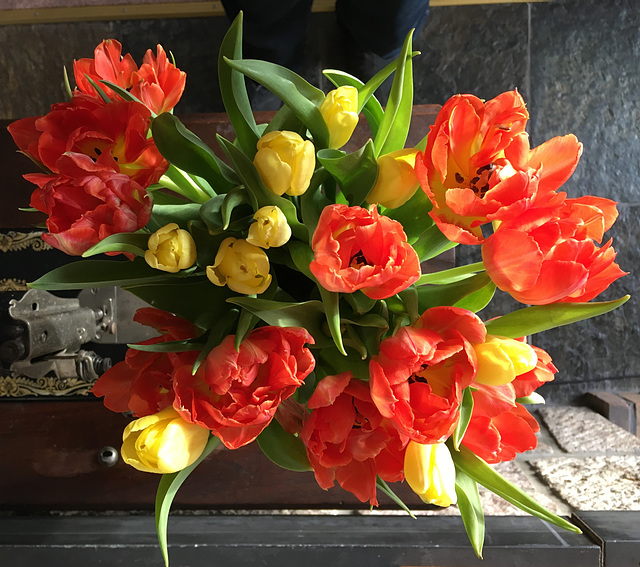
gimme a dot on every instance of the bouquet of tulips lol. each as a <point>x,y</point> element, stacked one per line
<point>285,283</point>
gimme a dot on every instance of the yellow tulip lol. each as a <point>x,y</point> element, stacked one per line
<point>171,249</point>
<point>285,162</point>
<point>270,229</point>
<point>340,112</point>
<point>500,360</point>
<point>243,267</point>
<point>162,443</point>
<point>430,472</point>
<point>397,181</point>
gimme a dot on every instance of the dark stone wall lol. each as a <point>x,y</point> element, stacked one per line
<point>575,62</point>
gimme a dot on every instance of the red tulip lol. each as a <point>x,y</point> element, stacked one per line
<point>114,135</point>
<point>86,202</point>
<point>418,376</point>
<point>501,438</point>
<point>158,83</point>
<point>348,440</point>
<point>500,427</point>
<point>356,248</point>
<point>235,394</point>
<point>557,259</point>
<point>477,166</point>
<point>108,64</point>
<point>143,382</point>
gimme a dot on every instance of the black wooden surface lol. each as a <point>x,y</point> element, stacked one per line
<point>283,541</point>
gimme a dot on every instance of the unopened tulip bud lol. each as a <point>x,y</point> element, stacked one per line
<point>163,443</point>
<point>270,228</point>
<point>397,181</point>
<point>340,112</point>
<point>285,162</point>
<point>500,360</point>
<point>241,266</point>
<point>430,472</point>
<point>171,249</point>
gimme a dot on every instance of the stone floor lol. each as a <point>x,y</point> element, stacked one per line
<point>582,462</point>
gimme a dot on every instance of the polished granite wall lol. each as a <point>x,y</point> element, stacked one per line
<point>575,62</point>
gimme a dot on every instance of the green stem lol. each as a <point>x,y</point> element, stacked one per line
<point>182,183</point>
<point>451,275</point>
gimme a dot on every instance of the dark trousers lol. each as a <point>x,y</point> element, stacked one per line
<point>275,30</point>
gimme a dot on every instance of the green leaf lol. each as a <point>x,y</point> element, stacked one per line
<point>380,77</point>
<point>98,88</point>
<point>466,410</point>
<point>409,297</point>
<point>285,119</point>
<point>478,299</point>
<point>356,173</point>
<point>67,85</point>
<point>181,214</point>
<point>431,243</point>
<point>313,200</point>
<point>234,91</point>
<point>394,127</point>
<point>538,318</point>
<point>309,315</point>
<point>195,298</point>
<point>452,293</point>
<point>302,256</point>
<point>284,449</point>
<point>187,185</point>
<point>450,276</point>
<point>132,242</point>
<point>125,94</point>
<point>413,215</point>
<point>359,302</point>
<point>470,507</point>
<point>167,489</point>
<point>183,149</point>
<point>223,327</point>
<point>533,398</point>
<point>187,345</point>
<point>99,273</point>
<point>246,322</point>
<point>384,487</point>
<point>483,474</point>
<point>234,198</point>
<point>299,95</point>
<point>259,194</point>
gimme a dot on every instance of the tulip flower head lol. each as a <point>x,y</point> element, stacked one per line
<point>285,162</point>
<point>397,181</point>
<point>430,472</point>
<point>171,249</point>
<point>241,266</point>
<point>270,228</point>
<point>163,443</point>
<point>500,360</point>
<point>340,111</point>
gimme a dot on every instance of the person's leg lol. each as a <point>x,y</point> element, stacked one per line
<point>273,31</point>
<point>380,26</point>
<point>374,31</point>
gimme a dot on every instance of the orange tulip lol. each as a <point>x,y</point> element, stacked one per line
<point>478,167</point>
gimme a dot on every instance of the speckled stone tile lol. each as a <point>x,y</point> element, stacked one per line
<point>581,430</point>
<point>585,80</point>
<point>480,50</point>
<point>595,483</point>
